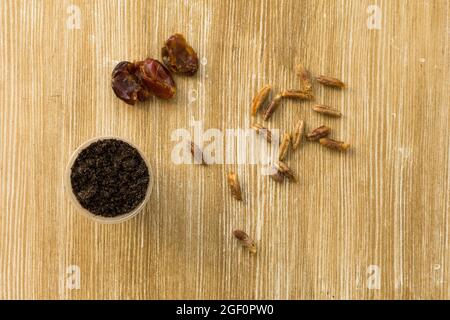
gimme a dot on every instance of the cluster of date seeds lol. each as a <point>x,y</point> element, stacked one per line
<point>293,140</point>
<point>140,80</point>
<point>289,141</point>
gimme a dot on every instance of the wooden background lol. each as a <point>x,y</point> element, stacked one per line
<point>384,206</point>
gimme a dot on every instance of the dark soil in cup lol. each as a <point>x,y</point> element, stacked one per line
<point>109,178</point>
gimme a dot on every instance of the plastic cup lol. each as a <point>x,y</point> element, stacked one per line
<point>87,213</point>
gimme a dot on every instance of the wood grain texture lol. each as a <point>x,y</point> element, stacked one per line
<point>385,203</point>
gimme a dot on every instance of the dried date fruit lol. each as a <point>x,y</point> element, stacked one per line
<point>157,78</point>
<point>126,83</point>
<point>178,55</point>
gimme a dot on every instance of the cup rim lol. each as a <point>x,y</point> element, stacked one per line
<point>87,213</point>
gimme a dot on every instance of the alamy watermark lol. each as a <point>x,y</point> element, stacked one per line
<point>373,277</point>
<point>229,146</point>
<point>73,21</point>
<point>73,277</point>
<point>374,19</point>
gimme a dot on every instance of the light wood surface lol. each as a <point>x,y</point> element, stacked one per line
<point>381,209</point>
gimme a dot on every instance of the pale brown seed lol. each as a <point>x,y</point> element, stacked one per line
<point>197,153</point>
<point>327,110</point>
<point>277,176</point>
<point>245,240</point>
<point>263,131</point>
<point>235,187</point>
<point>284,146</point>
<point>334,144</point>
<point>284,169</point>
<point>298,134</point>
<point>318,133</point>
<point>305,77</point>
<point>259,99</point>
<point>297,94</point>
<point>274,104</point>
<point>330,81</point>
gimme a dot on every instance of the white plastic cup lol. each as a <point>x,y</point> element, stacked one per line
<point>87,213</point>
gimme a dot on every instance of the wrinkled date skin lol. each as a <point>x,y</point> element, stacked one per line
<point>178,56</point>
<point>141,80</point>
<point>127,84</point>
<point>157,78</point>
